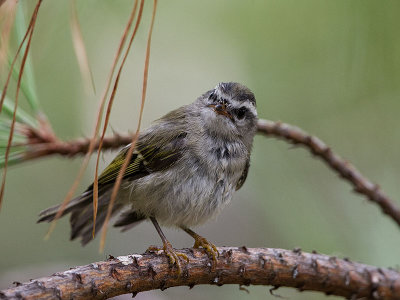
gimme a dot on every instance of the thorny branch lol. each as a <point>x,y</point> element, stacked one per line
<point>43,144</point>
<point>244,266</point>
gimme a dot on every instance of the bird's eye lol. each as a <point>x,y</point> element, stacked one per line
<point>241,112</point>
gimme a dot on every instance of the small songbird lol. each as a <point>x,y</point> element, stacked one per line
<point>184,170</point>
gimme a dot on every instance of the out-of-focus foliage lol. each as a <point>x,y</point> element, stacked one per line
<point>330,67</point>
<point>27,88</point>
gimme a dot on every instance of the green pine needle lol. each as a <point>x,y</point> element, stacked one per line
<point>21,116</point>
<point>13,158</point>
<point>28,85</point>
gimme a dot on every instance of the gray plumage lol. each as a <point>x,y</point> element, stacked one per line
<point>185,168</point>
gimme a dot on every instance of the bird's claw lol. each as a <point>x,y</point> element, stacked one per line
<point>172,254</point>
<point>209,247</point>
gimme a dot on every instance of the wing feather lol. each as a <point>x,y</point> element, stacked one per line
<point>156,150</point>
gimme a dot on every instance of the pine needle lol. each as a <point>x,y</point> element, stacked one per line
<point>3,95</point>
<point>28,82</point>
<point>30,30</point>
<point>80,49</point>
<point>93,140</point>
<point>133,144</point>
<point>7,15</point>
<point>108,113</point>
<point>21,115</point>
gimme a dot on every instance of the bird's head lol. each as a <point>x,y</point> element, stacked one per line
<point>229,110</point>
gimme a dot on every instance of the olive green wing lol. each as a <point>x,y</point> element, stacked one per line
<point>136,166</point>
<point>149,156</point>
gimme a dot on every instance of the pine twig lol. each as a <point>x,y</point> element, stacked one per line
<point>74,147</point>
<point>243,266</point>
<point>345,169</point>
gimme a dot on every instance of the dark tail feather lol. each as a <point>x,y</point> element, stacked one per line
<point>129,219</point>
<point>81,209</point>
<point>82,221</point>
<point>49,214</point>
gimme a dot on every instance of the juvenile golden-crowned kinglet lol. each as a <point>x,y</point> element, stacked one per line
<point>184,170</point>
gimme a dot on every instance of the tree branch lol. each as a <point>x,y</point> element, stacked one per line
<point>43,143</point>
<point>72,148</point>
<point>256,266</point>
<point>346,170</point>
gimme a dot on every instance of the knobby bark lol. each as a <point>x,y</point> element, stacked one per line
<point>243,266</point>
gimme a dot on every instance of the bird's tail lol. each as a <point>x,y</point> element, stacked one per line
<point>81,209</point>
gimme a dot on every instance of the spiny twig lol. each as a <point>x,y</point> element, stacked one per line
<point>243,266</point>
<point>345,169</point>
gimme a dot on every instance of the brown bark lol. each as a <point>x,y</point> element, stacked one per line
<point>345,169</point>
<point>44,143</point>
<point>244,266</point>
<point>74,147</point>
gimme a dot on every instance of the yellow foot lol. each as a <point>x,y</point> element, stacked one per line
<point>173,256</point>
<point>210,248</point>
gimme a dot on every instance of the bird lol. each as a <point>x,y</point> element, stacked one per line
<point>184,170</point>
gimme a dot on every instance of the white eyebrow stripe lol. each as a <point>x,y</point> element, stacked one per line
<point>235,103</point>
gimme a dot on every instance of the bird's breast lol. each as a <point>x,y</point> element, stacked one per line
<point>194,189</point>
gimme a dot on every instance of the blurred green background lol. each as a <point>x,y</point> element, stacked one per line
<point>330,67</point>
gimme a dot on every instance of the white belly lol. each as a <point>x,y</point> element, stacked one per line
<point>184,196</point>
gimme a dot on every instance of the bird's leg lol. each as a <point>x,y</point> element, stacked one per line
<point>200,241</point>
<point>173,256</point>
